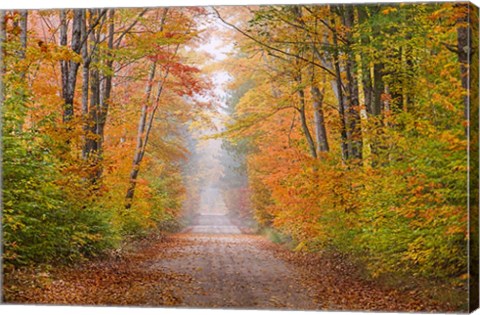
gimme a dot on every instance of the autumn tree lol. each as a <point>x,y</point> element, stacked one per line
<point>77,138</point>
<point>393,111</point>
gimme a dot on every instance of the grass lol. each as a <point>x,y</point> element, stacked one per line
<point>278,237</point>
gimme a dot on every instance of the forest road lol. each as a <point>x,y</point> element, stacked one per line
<point>226,268</point>
<point>212,264</point>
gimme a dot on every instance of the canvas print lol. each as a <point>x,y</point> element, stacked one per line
<point>293,157</point>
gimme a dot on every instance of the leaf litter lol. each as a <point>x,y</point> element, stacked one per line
<point>212,271</point>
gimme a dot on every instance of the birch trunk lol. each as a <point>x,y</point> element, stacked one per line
<point>144,129</point>
<point>139,144</point>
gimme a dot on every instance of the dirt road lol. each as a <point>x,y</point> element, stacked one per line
<point>230,269</point>
<point>211,264</point>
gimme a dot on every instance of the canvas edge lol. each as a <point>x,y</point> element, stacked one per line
<point>473,202</point>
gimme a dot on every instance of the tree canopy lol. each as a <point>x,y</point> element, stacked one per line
<point>350,125</point>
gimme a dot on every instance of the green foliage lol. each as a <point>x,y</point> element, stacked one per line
<point>417,209</point>
<point>276,236</point>
<point>39,224</point>
<point>167,200</point>
<point>160,211</point>
<point>43,220</point>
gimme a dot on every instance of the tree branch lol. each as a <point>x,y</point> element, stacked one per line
<point>271,47</point>
<point>94,24</point>
<point>119,39</point>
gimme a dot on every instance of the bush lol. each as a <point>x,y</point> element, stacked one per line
<point>39,223</point>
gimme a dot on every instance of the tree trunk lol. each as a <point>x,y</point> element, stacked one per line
<point>367,87</point>
<point>339,88</point>
<point>303,119</point>
<point>144,129</point>
<point>306,132</point>
<point>106,89</point>
<point>92,143</point>
<point>367,81</point>
<point>22,67</point>
<point>64,63</point>
<point>464,46</point>
<point>85,85</point>
<point>100,91</point>
<point>468,55</point>
<point>69,68</point>
<point>140,133</point>
<point>319,119</point>
<point>94,109</point>
<point>23,34</point>
<point>378,89</point>
<point>353,114</point>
